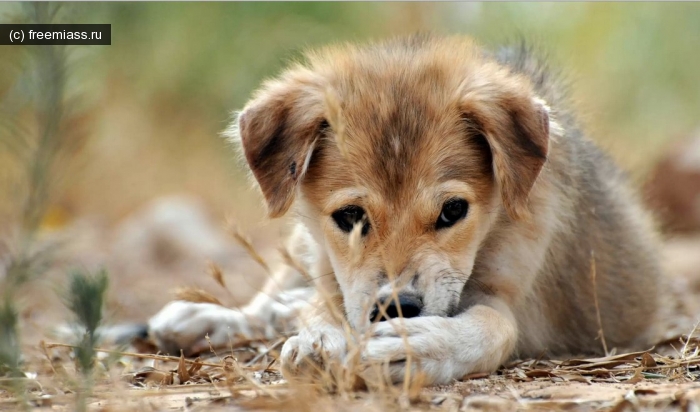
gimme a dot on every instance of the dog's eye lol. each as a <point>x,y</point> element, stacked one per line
<point>452,211</point>
<point>348,216</point>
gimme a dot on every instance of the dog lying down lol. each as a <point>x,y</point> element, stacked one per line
<point>447,207</point>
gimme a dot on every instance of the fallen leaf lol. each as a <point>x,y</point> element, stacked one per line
<point>636,378</point>
<point>194,367</point>
<point>650,375</point>
<point>149,374</point>
<point>645,392</point>
<point>539,373</point>
<point>480,375</point>
<point>574,377</point>
<point>648,360</point>
<point>182,373</point>
<point>623,406</point>
<point>604,361</point>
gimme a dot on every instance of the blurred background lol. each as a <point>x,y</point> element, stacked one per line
<point>111,156</point>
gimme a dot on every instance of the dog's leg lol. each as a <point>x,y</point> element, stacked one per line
<point>443,349</point>
<point>320,345</point>
<point>478,340</point>
<point>187,325</point>
<point>273,311</point>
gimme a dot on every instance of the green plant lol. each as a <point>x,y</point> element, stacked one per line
<point>9,340</point>
<point>85,299</point>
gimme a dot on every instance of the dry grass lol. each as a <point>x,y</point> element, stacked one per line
<point>601,332</point>
<point>647,379</point>
<point>139,131</point>
<point>247,376</point>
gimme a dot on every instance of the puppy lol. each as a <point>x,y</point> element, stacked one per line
<point>447,206</point>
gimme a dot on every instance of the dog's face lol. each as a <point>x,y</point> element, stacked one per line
<point>399,158</point>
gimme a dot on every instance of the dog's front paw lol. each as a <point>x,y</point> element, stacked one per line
<point>314,351</point>
<point>186,326</point>
<point>441,349</point>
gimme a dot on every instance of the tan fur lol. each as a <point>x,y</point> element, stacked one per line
<point>400,127</point>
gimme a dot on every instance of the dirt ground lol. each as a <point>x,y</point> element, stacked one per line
<point>144,183</point>
<point>148,257</point>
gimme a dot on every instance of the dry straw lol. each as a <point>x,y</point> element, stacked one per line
<point>330,383</point>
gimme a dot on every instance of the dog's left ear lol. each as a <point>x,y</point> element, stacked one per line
<point>516,125</point>
<point>277,132</point>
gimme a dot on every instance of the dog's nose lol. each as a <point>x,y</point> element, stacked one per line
<point>409,305</point>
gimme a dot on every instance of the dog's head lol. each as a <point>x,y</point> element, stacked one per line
<point>399,157</point>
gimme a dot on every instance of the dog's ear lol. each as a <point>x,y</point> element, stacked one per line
<point>516,127</point>
<point>277,131</point>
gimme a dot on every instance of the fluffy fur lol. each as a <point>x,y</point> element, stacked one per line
<point>399,128</point>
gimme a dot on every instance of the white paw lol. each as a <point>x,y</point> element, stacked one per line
<point>440,348</point>
<point>314,349</point>
<point>184,326</point>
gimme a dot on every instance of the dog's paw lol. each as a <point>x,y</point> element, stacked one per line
<point>315,350</point>
<point>441,349</point>
<point>185,326</point>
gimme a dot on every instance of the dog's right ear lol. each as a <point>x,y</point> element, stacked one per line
<point>278,130</point>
